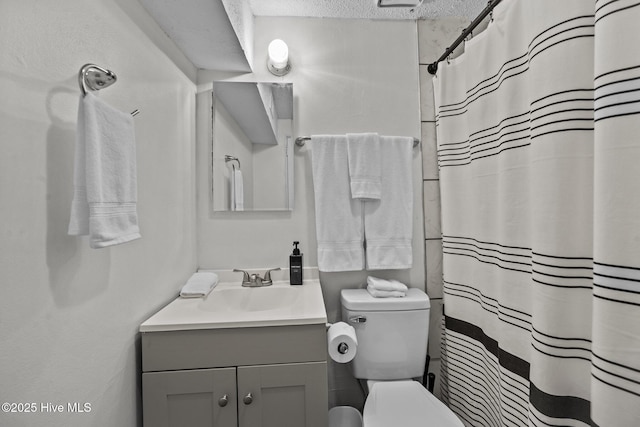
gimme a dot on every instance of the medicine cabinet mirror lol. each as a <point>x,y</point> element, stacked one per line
<point>252,146</point>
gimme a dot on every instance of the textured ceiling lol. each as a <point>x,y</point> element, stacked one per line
<point>366,9</point>
<point>211,32</point>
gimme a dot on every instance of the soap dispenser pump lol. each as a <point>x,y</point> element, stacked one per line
<point>295,266</point>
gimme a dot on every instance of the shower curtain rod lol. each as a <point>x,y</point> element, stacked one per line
<point>433,67</point>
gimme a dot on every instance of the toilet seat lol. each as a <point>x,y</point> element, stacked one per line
<point>406,404</point>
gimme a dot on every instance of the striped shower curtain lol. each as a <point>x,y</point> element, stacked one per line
<point>538,127</point>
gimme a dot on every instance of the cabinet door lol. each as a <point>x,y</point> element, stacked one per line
<point>193,398</point>
<point>288,395</point>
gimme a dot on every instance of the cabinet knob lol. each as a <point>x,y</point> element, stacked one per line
<point>222,402</point>
<point>247,399</point>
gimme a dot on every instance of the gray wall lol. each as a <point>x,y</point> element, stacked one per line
<point>348,76</point>
<point>69,314</point>
<point>433,38</point>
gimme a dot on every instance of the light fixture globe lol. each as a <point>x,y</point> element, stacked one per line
<point>278,62</point>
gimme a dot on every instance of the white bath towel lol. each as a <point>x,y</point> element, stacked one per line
<point>389,221</point>
<point>105,186</point>
<point>200,284</point>
<point>79,220</point>
<point>237,190</point>
<point>365,165</point>
<point>339,225</point>
<point>385,294</point>
<point>386,285</point>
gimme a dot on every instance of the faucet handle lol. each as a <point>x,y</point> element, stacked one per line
<point>267,276</point>
<point>245,278</point>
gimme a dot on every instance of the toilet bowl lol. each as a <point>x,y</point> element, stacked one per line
<point>406,404</point>
<point>392,348</point>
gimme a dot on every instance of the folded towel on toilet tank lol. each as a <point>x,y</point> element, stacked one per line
<point>382,288</point>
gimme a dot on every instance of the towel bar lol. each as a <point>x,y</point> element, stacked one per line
<point>94,77</point>
<point>300,141</point>
<point>228,158</point>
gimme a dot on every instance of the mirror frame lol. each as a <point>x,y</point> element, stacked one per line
<point>220,179</point>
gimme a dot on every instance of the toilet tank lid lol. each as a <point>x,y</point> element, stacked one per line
<point>361,300</point>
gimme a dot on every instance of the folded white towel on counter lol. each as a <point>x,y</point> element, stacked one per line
<point>339,226</point>
<point>200,284</point>
<point>365,165</point>
<point>386,285</point>
<point>385,294</point>
<point>105,185</point>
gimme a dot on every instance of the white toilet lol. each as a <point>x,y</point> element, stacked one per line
<point>392,348</point>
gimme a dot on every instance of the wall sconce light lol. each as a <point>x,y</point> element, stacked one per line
<point>278,62</point>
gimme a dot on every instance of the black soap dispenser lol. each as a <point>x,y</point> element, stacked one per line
<point>295,266</point>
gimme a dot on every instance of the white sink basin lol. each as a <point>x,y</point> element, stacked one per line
<point>239,299</point>
<point>230,305</point>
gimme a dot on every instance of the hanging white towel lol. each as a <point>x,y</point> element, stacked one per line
<point>79,220</point>
<point>105,186</point>
<point>389,221</point>
<point>237,190</point>
<point>200,284</point>
<point>339,226</point>
<point>364,165</point>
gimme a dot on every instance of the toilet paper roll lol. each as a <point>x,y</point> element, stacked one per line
<point>342,342</point>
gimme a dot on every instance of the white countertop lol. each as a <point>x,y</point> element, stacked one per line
<point>230,305</point>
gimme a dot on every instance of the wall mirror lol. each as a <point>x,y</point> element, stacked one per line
<point>252,146</point>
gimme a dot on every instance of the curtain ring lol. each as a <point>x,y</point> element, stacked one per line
<point>491,16</point>
<point>449,59</point>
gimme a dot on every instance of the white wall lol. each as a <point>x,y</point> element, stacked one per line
<point>69,314</point>
<point>269,170</point>
<point>348,76</point>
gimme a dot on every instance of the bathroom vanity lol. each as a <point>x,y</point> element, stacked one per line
<point>242,357</point>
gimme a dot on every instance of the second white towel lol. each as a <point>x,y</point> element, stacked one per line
<point>339,226</point>
<point>237,190</point>
<point>389,221</point>
<point>365,165</point>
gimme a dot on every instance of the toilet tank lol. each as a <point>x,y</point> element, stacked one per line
<point>392,333</point>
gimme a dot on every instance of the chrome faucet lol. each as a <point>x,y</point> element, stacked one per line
<point>254,280</point>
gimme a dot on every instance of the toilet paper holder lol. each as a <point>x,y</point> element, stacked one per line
<point>343,348</point>
<point>343,343</point>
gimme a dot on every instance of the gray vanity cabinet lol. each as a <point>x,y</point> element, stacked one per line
<point>198,398</point>
<point>237,377</point>
<point>282,395</point>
